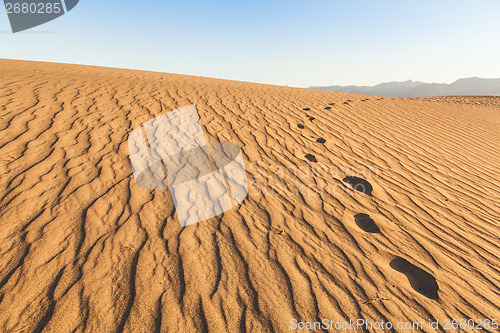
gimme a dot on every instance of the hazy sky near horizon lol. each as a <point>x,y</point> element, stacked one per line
<point>286,42</point>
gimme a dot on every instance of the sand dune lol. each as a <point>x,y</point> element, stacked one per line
<point>376,208</point>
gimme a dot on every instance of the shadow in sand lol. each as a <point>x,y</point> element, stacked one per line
<point>359,184</point>
<point>423,282</point>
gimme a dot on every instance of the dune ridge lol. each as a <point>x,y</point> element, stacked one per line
<point>84,249</point>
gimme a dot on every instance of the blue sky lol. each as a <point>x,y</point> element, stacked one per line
<point>285,42</point>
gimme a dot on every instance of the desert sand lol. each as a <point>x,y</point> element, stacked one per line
<point>385,209</point>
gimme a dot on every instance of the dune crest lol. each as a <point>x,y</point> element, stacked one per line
<point>377,208</point>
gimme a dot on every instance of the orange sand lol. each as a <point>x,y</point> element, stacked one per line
<point>83,248</point>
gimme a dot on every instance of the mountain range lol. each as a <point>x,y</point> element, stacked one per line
<point>474,86</point>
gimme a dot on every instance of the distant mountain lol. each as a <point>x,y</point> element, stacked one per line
<point>462,87</point>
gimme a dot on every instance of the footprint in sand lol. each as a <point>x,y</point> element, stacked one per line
<point>300,126</point>
<point>420,280</point>
<point>359,184</point>
<point>366,224</point>
<point>311,158</point>
<point>321,140</point>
